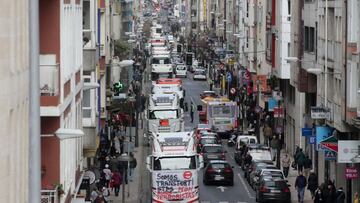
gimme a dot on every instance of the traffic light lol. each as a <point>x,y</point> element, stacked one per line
<point>189,59</point>
<point>117,87</point>
<point>179,48</point>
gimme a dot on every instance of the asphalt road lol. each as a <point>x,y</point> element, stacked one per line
<point>241,191</point>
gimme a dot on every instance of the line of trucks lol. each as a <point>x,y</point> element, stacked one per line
<point>174,163</point>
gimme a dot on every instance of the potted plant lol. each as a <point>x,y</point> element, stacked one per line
<point>59,188</point>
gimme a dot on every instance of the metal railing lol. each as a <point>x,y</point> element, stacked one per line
<point>49,196</point>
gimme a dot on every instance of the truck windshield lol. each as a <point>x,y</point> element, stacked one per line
<point>161,61</point>
<point>163,114</point>
<point>222,111</point>
<point>174,163</point>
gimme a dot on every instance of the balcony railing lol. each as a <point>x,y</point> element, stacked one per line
<point>49,80</point>
<point>49,196</point>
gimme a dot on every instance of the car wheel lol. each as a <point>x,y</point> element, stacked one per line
<point>231,183</point>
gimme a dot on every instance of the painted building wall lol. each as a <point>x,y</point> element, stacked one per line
<point>14,101</point>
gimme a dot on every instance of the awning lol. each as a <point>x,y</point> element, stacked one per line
<point>65,133</point>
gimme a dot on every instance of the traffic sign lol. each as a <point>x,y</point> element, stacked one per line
<point>232,90</point>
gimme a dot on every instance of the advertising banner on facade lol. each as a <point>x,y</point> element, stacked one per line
<point>351,173</point>
<point>347,150</point>
<point>322,132</point>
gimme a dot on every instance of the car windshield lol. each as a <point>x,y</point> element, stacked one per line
<point>163,114</point>
<point>174,163</point>
<point>220,165</point>
<point>212,149</point>
<point>200,73</point>
<point>161,61</point>
<point>208,141</point>
<point>181,68</point>
<point>276,174</point>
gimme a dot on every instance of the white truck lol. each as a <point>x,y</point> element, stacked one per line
<point>161,66</point>
<point>174,166</point>
<point>164,114</point>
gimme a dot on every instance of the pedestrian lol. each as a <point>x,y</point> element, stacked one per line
<point>300,160</point>
<point>106,194</point>
<point>307,166</point>
<point>356,197</point>
<point>312,184</point>
<point>108,174</point>
<point>285,162</point>
<point>318,195</point>
<point>268,133</point>
<point>116,178</point>
<point>211,85</point>
<point>94,194</point>
<point>331,197</point>
<point>294,165</point>
<point>275,145</point>
<point>192,112</point>
<point>133,164</point>
<point>300,184</point>
<point>340,195</point>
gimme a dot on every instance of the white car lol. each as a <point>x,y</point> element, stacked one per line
<point>180,70</point>
<point>199,75</point>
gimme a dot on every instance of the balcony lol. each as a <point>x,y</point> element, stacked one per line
<point>90,58</point>
<point>49,80</point>
<point>49,196</point>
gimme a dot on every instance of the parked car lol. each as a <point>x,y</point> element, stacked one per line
<point>218,171</point>
<point>199,75</point>
<point>252,177</point>
<point>272,189</point>
<point>212,152</point>
<point>241,142</point>
<point>267,173</point>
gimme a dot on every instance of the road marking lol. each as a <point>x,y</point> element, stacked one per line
<point>245,186</point>
<point>223,202</point>
<point>222,188</point>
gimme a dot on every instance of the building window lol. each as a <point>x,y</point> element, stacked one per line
<point>309,41</point>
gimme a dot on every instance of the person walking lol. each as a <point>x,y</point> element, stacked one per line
<point>300,184</point>
<point>300,160</point>
<point>108,174</point>
<point>133,164</point>
<point>294,165</point>
<point>116,178</point>
<point>307,166</point>
<point>192,112</point>
<point>285,162</point>
<point>318,195</point>
<point>275,145</point>
<point>94,195</point>
<point>268,133</point>
<point>106,194</point>
<point>340,195</point>
<point>312,184</point>
<point>211,84</point>
<point>331,196</point>
<point>356,197</point>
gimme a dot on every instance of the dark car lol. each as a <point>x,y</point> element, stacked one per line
<point>272,189</point>
<point>218,171</point>
<point>253,175</point>
<point>212,152</point>
<point>206,140</point>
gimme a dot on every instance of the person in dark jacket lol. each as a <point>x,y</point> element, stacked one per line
<point>331,196</point>
<point>319,196</point>
<point>312,184</point>
<point>340,195</point>
<point>307,166</point>
<point>133,164</point>
<point>300,160</point>
<point>300,184</point>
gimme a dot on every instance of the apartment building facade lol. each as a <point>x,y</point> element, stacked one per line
<point>14,101</point>
<point>61,72</point>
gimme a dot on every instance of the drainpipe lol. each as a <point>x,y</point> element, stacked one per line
<point>34,105</point>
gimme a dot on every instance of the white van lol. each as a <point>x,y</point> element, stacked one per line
<point>180,70</point>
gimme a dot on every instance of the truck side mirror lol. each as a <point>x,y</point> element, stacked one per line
<point>148,163</point>
<point>199,107</point>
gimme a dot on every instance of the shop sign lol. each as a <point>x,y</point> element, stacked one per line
<point>351,173</point>
<point>278,112</point>
<point>272,103</point>
<point>330,143</point>
<point>312,139</point>
<point>329,155</point>
<point>322,132</point>
<point>306,132</point>
<point>348,150</point>
<point>319,112</point>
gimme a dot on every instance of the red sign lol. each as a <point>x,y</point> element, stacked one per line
<point>278,112</point>
<point>330,145</point>
<point>187,175</point>
<point>351,173</point>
